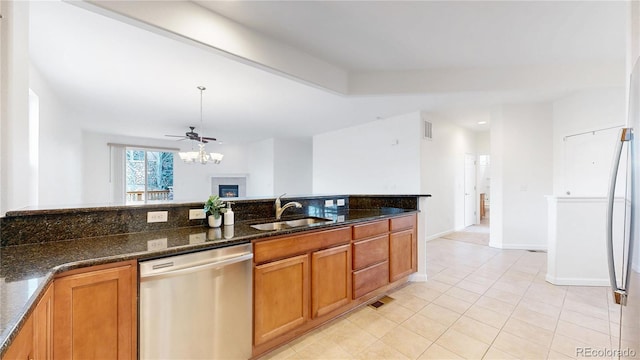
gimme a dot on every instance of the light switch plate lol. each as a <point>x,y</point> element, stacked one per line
<point>157,216</point>
<point>196,214</point>
<point>328,203</point>
<point>340,202</point>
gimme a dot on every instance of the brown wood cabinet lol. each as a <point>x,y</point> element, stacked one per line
<point>94,313</point>
<point>22,346</point>
<point>34,340</point>
<point>403,257</point>
<point>330,279</point>
<point>298,279</point>
<point>281,297</point>
<point>370,257</point>
<point>269,250</point>
<point>370,252</point>
<point>304,280</point>
<point>43,326</point>
<point>370,279</point>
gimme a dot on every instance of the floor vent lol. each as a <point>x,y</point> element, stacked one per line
<point>382,301</point>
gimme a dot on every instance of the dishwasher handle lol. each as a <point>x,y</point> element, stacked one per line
<point>187,270</point>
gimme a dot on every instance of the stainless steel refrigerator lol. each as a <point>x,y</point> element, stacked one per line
<point>624,257</point>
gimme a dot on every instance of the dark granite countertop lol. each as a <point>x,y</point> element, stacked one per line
<point>26,270</point>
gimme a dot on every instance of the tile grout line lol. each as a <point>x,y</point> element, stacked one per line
<point>555,329</point>
<point>443,293</point>
<point>514,308</point>
<point>493,283</point>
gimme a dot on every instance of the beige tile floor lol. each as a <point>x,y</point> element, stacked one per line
<point>479,303</point>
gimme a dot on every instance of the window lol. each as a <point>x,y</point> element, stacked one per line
<point>149,176</point>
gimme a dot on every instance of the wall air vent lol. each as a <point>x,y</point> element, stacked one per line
<point>428,130</point>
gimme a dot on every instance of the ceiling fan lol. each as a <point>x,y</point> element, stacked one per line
<point>192,135</point>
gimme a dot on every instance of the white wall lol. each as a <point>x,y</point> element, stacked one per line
<point>483,142</point>
<point>16,191</point>
<point>60,148</point>
<point>442,169</point>
<point>577,253</point>
<point>380,157</point>
<point>260,160</point>
<point>581,163</point>
<point>365,159</point>
<point>293,167</point>
<point>497,173</point>
<point>278,166</point>
<point>521,167</point>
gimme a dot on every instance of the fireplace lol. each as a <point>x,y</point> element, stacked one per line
<point>229,185</point>
<point>228,191</point>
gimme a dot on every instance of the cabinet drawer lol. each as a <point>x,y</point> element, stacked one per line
<point>293,245</point>
<point>369,279</point>
<point>370,229</point>
<point>370,251</point>
<point>404,222</point>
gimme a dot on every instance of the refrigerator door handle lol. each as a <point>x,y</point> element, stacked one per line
<point>619,293</point>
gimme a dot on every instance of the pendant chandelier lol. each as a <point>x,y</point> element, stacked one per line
<point>201,156</point>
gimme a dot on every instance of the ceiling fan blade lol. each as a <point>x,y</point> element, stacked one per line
<point>209,138</point>
<point>180,136</point>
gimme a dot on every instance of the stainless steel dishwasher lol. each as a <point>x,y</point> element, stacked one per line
<point>197,305</point>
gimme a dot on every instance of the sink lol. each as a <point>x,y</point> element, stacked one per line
<point>280,225</point>
<point>272,226</point>
<point>306,221</point>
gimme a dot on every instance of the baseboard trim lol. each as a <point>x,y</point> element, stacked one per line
<point>517,246</point>
<point>418,277</point>
<point>576,281</point>
<point>439,235</point>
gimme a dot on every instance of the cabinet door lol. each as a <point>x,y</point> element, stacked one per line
<point>281,297</point>
<point>402,254</point>
<point>34,340</point>
<point>95,314</point>
<point>330,279</point>
<point>43,326</point>
<point>22,345</point>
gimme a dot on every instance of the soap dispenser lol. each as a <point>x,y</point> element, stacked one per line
<point>228,215</point>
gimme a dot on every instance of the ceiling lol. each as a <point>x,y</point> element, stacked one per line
<point>409,35</point>
<point>118,78</point>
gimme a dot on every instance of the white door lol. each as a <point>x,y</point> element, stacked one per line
<point>469,190</point>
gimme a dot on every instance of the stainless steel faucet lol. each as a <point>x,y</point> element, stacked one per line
<point>281,209</point>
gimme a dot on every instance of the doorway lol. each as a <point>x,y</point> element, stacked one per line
<point>476,197</point>
<point>470,214</point>
<point>484,189</point>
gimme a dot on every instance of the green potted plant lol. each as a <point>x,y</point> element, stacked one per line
<point>214,209</point>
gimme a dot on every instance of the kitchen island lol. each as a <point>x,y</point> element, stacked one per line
<point>28,266</point>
